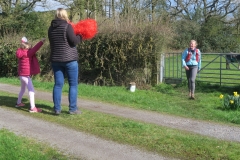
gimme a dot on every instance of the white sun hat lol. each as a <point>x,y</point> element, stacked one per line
<point>24,39</point>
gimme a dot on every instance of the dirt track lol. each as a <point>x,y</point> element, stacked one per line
<point>90,147</point>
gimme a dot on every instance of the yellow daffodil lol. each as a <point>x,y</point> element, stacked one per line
<point>221,96</point>
<point>231,101</point>
<point>235,94</point>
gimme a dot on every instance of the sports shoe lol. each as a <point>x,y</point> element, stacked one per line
<point>75,112</point>
<point>35,110</point>
<point>57,112</point>
<point>20,105</point>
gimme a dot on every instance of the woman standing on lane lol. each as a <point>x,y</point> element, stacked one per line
<point>191,61</point>
<point>64,59</point>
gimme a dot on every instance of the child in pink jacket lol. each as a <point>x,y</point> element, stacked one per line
<point>27,66</point>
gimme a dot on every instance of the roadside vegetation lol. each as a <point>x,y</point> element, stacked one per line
<point>163,99</point>
<point>17,147</point>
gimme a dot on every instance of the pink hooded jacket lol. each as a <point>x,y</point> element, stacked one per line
<point>27,60</point>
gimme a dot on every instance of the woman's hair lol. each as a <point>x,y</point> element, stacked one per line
<point>25,45</point>
<point>62,14</point>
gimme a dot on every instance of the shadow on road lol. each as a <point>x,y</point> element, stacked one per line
<point>10,102</point>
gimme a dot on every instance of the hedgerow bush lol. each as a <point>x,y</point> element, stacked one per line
<point>119,58</point>
<point>112,57</point>
<point>8,61</point>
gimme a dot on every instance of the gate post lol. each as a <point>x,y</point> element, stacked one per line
<point>161,74</point>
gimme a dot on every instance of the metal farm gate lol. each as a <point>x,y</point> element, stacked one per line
<point>216,68</point>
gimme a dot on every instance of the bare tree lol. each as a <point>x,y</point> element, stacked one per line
<point>188,9</point>
<point>85,8</point>
<point>9,7</point>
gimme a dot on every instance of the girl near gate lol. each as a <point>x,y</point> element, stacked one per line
<point>191,60</point>
<point>28,66</point>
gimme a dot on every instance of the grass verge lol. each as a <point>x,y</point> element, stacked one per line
<point>17,147</point>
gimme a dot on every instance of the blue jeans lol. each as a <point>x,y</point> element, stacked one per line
<point>71,71</point>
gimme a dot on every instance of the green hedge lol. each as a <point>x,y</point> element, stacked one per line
<point>117,59</point>
<point>107,59</point>
<point>8,61</point>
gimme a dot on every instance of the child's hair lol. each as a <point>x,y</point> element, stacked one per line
<point>194,41</point>
<point>62,14</point>
<point>25,45</point>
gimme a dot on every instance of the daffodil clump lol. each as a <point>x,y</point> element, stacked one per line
<point>231,101</point>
